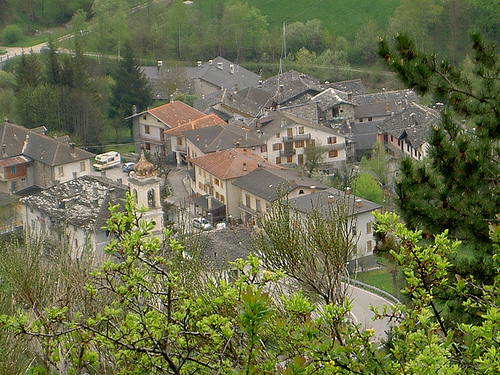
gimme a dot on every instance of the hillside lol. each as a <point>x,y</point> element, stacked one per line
<point>342,17</point>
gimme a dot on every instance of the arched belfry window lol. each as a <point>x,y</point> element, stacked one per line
<point>151,198</point>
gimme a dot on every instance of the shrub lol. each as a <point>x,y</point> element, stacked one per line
<point>11,34</point>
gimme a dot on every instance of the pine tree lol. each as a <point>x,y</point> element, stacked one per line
<point>27,71</point>
<point>458,186</point>
<point>131,86</point>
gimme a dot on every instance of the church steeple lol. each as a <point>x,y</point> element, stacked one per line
<point>144,185</point>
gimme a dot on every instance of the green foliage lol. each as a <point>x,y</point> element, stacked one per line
<point>367,187</point>
<point>137,313</point>
<point>130,88</point>
<point>11,34</point>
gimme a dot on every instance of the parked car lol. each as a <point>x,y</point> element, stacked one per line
<point>201,223</point>
<point>128,167</point>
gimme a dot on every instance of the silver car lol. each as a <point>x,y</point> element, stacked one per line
<point>201,223</point>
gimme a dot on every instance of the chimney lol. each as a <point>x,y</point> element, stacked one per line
<point>220,65</point>
<point>231,68</point>
<point>210,62</point>
<point>159,64</point>
<point>244,166</point>
<point>171,98</point>
<point>349,96</point>
<point>72,149</point>
<point>4,150</point>
<point>134,109</point>
<point>198,63</point>
<point>119,181</point>
<point>348,190</point>
<point>313,188</point>
<point>331,198</point>
<point>197,137</point>
<point>359,203</point>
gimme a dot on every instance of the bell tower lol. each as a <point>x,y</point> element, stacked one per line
<point>144,186</point>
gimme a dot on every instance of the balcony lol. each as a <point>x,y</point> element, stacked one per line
<point>287,152</point>
<point>297,137</point>
<point>248,209</point>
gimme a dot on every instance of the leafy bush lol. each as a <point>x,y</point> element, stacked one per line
<point>11,34</point>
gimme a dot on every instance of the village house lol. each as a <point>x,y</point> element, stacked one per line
<point>149,126</point>
<point>212,176</point>
<point>218,74</point>
<point>202,141</point>
<point>263,186</point>
<point>405,133</point>
<point>74,213</point>
<point>288,138</point>
<point>28,157</point>
<point>360,213</point>
<point>178,140</point>
<point>239,107</point>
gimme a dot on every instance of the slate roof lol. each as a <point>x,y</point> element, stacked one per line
<point>265,183</point>
<point>330,98</point>
<point>173,114</point>
<point>354,86</point>
<point>401,97</point>
<point>320,199</point>
<point>249,102</point>
<point>376,109</point>
<point>276,121</point>
<point>82,202</point>
<point>202,122</point>
<point>222,137</point>
<point>21,142</point>
<point>365,134</point>
<point>289,86</point>
<point>211,73</point>
<point>225,245</point>
<point>412,123</point>
<point>231,163</point>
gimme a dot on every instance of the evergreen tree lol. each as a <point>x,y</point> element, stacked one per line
<point>131,86</point>
<point>457,186</point>
<point>27,71</point>
<point>52,66</point>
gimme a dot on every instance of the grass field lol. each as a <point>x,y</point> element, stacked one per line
<point>342,17</point>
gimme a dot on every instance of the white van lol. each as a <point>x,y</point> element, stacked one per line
<point>107,160</point>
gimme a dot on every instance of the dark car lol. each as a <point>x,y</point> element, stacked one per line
<point>128,167</point>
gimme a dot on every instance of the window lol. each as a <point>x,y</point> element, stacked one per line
<point>278,135</point>
<point>263,148</point>
<point>278,160</point>
<point>370,118</point>
<point>82,166</point>
<point>331,140</point>
<point>392,138</point>
<point>151,198</point>
<point>179,141</point>
<point>289,132</point>
<point>13,187</point>
<point>13,169</point>
<point>289,159</point>
<point>369,227</point>
<point>222,199</point>
<point>301,130</point>
<point>361,119</point>
<point>258,206</point>
<point>200,185</point>
<point>145,117</point>
<point>299,144</point>
<point>148,146</point>
<point>217,195</point>
<point>369,246</point>
<point>146,129</point>
<point>277,146</point>
<point>311,143</point>
<point>333,154</point>
<point>222,184</point>
<point>247,200</point>
<point>60,171</point>
<point>216,180</point>
<point>300,159</point>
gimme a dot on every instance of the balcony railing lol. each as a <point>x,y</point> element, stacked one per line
<point>287,152</point>
<point>297,137</point>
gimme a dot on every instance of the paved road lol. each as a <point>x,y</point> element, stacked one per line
<point>362,299</point>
